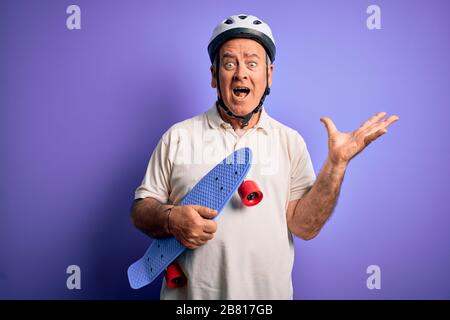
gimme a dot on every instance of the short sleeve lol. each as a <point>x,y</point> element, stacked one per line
<point>156,180</point>
<point>302,170</point>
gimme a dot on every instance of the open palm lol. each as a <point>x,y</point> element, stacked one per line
<point>342,146</point>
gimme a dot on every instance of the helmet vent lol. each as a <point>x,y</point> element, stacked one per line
<point>256,22</point>
<point>242,17</point>
<point>228,21</point>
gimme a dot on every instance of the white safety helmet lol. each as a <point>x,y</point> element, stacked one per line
<point>242,26</point>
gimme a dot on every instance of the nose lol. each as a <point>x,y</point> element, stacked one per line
<point>240,73</point>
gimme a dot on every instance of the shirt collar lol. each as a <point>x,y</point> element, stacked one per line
<point>215,120</point>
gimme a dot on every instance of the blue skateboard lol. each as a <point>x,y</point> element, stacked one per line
<point>213,191</point>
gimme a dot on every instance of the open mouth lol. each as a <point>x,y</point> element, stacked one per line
<point>241,92</point>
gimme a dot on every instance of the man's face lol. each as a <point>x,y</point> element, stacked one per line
<point>242,74</point>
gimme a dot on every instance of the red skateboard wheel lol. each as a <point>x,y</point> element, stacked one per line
<point>175,277</point>
<point>250,193</point>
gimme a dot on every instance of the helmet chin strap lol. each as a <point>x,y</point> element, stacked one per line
<point>244,119</point>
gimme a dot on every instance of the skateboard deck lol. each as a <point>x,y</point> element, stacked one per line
<point>214,191</point>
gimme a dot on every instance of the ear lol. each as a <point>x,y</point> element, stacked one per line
<point>269,77</point>
<point>213,77</point>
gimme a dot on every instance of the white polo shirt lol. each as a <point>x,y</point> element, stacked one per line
<point>252,253</point>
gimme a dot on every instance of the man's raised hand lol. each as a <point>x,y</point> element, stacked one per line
<point>342,146</point>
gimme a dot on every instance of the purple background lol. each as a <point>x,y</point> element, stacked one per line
<point>82,110</point>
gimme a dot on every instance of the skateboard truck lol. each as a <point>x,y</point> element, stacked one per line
<point>250,195</point>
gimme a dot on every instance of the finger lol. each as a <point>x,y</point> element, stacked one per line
<point>390,120</point>
<point>387,122</point>
<point>194,243</point>
<point>205,212</point>
<point>371,121</point>
<point>200,242</point>
<point>189,245</point>
<point>206,236</point>
<point>375,135</point>
<point>210,226</point>
<point>331,128</point>
<point>381,125</point>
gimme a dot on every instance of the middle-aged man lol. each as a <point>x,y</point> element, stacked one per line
<point>247,252</point>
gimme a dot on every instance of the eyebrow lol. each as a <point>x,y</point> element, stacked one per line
<point>247,55</point>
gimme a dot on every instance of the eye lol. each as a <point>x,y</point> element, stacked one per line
<point>229,65</point>
<point>252,64</point>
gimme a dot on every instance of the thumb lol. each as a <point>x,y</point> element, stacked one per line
<point>205,212</point>
<point>331,128</point>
